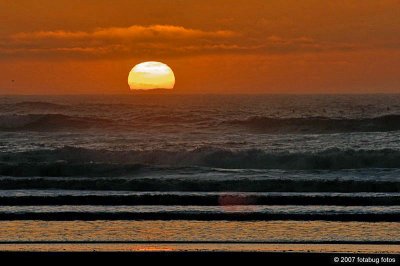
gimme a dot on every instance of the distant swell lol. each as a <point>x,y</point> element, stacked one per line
<point>40,105</point>
<point>73,161</point>
<point>258,124</point>
<point>48,122</point>
<point>319,124</point>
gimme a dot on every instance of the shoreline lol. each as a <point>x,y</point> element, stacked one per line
<point>176,216</point>
<point>203,248</point>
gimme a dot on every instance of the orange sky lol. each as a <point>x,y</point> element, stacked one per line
<point>221,46</point>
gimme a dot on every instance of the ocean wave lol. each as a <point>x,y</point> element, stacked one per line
<point>207,199</point>
<point>63,169</point>
<point>318,124</point>
<point>49,122</point>
<point>84,159</point>
<point>257,124</point>
<point>200,185</point>
<point>40,105</point>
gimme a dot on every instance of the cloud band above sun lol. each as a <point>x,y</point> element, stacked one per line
<point>134,40</point>
<point>134,31</point>
<point>155,40</point>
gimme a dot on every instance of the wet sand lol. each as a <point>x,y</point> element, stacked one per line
<point>263,236</point>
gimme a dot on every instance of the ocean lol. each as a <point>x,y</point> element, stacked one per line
<point>200,172</point>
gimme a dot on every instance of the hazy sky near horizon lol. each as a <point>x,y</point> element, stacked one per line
<point>220,46</point>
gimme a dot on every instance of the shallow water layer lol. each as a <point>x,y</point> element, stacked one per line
<point>194,231</point>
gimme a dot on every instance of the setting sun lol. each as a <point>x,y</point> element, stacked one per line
<point>151,75</point>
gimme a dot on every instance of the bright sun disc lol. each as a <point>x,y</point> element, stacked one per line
<point>151,75</point>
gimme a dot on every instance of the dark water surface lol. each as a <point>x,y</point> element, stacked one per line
<point>313,159</point>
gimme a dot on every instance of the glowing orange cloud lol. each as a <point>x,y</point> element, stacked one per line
<point>132,32</point>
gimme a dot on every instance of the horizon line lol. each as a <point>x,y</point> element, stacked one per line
<point>202,93</point>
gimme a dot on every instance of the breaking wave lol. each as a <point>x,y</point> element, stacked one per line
<point>208,199</point>
<point>88,160</point>
<point>203,185</point>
